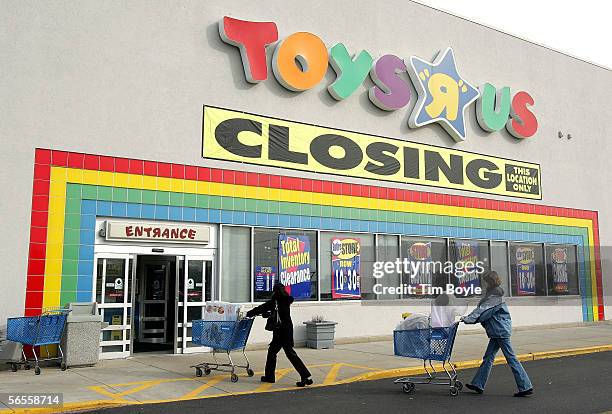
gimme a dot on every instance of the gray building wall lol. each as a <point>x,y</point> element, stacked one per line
<point>130,79</point>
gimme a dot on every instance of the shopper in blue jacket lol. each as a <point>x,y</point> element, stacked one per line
<point>494,316</point>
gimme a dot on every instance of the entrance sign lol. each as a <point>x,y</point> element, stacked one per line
<point>294,265</point>
<point>346,268</point>
<point>156,232</point>
<point>254,139</point>
<point>300,62</point>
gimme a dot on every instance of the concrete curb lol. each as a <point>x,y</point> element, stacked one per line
<point>371,376</point>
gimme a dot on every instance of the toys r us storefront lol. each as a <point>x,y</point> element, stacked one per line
<point>222,187</point>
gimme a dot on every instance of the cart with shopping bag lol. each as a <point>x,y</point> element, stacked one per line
<point>38,331</point>
<point>224,336</point>
<point>429,344</point>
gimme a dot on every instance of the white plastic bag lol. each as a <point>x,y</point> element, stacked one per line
<point>413,321</point>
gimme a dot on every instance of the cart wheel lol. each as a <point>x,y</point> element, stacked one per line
<point>27,366</point>
<point>250,372</point>
<point>198,372</point>
<point>234,378</point>
<point>37,370</point>
<point>13,367</point>
<point>408,387</point>
<point>454,391</point>
<point>63,366</point>
<point>459,385</point>
<point>207,371</point>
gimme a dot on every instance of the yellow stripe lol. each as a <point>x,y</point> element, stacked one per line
<point>295,196</point>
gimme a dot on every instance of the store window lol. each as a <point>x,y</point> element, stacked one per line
<point>425,258</point>
<point>288,256</point>
<point>561,269</point>
<point>499,262</point>
<point>470,260</point>
<point>388,251</point>
<point>527,269</point>
<point>236,264</point>
<point>346,266</point>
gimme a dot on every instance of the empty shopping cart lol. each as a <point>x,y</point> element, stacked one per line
<point>38,331</point>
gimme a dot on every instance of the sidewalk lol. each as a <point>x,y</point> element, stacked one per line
<point>155,378</point>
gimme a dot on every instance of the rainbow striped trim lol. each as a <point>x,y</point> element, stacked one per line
<point>70,189</point>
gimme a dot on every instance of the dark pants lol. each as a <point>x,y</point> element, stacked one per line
<point>292,356</point>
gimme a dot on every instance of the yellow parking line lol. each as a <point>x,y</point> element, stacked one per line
<point>279,374</point>
<point>332,374</point>
<point>197,391</point>
<point>101,389</point>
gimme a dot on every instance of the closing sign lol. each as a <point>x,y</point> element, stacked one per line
<point>249,138</point>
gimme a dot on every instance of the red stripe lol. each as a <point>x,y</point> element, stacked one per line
<point>598,274</point>
<point>153,168</point>
<point>43,158</point>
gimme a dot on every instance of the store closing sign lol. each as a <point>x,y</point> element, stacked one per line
<point>249,138</point>
<point>300,62</point>
<point>346,268</point>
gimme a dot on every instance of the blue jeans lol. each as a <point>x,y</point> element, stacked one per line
<point>520,376</point>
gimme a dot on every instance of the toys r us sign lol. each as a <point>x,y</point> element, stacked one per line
<point>300,62</point>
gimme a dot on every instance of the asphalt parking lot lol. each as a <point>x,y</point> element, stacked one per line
<point>578,384</point>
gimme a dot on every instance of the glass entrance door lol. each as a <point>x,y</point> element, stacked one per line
<point>114,276</point>
<point>155,313</point>
<point>195,287</point>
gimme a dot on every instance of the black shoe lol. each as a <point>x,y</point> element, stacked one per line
<point>474,388</point>
<point>524,393</point>
<point>304,382</point>
<point>266,379</point>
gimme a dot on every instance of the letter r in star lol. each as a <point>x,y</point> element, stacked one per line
<point>443,95</point>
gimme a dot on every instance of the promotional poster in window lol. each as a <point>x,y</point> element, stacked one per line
<point>420,254</point>
<point>294,265</point>
<point>559,270</point>
<point>525,271</point>
<point>346,268</point>
<point>265,278</point>
<point>467,257</point>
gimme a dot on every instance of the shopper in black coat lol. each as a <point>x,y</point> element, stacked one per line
<point>282,337</point>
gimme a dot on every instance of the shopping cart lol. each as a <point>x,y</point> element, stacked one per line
<point>224,336</point>
<point>38,331</point>
<point>431,344</point>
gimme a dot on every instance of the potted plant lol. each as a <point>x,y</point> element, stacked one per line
<point>320,333</point>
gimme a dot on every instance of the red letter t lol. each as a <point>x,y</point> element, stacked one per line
<point>251,38</point>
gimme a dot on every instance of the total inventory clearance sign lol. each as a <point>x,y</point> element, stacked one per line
<point>294,265</point>
<point>255,139</point>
